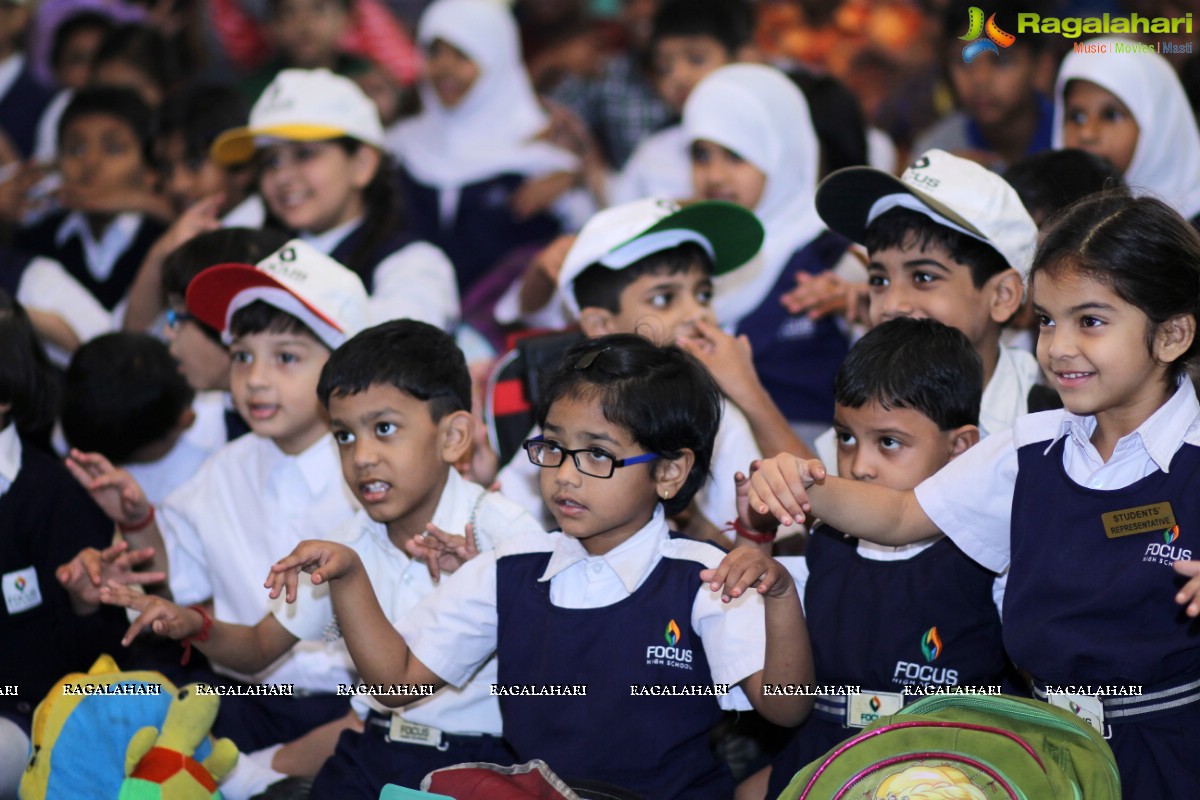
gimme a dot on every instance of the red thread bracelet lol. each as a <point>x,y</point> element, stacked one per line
<point>202,636</point>
<point>758,537</point>
<point>137,526</point>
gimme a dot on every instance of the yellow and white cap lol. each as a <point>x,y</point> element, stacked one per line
<point>303,105</point>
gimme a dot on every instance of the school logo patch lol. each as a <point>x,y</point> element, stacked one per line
<point>931,644</point>
<point>21,590</point>
<point>674,654</point>
<point>1167,552</point>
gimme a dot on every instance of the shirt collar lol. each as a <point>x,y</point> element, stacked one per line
<point>101,254</point>
<point>316,465</point>
<point>10,457</point>
<point>10,68</point>
<point>1161,435</point>
<point>631,560</point>
<point>327,241</point>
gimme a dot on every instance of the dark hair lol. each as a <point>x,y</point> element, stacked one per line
<point>84,20</point>
<point>112,101</point>
<point>919,364</point>
<point>663,396</point>
<point>730,22</point>
<point>415,357</point>
<point>123,392</point>
<point>261,317</point>
<point>838,120</point>
<point>600,287</point>
<point>200,114</point>
<point>28,382</point>
<point>1053,179</point>
<point>956,21</point>
<point>903,227</point>
<point>144,48</point>
<point>384,211</point>
<point>273,7</point>
<point>1139,247</point>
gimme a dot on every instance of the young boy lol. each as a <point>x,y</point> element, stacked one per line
<point>907,402</point>
<point>691,38</point>
<point>398,397</point>
<point>260,494</point>
<point>647,267</point>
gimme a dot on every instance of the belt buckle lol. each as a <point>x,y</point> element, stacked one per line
<point>865,707</point>
<point>401,730</point>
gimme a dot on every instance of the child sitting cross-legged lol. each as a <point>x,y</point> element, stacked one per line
<point>615,603</point>
<point>398,397</point>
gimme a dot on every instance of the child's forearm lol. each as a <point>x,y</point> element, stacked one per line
<point>788,661</point>
<point>247,648</point>
<point>875,513</point>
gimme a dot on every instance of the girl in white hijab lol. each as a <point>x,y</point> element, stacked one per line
<point>476,140</point>
<point>753,143</point>
<point>1132,109</point>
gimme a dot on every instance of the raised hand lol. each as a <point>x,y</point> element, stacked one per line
<point>324,561</point>
<point>113,489</point>
<point>154,613</point>
<point>84,576</point>
<point>745,568</point>
<point>442,552</point>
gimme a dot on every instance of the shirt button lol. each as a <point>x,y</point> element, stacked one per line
<point>597,567</point>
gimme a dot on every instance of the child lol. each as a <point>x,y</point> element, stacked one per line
<point>22,97</point>
<point>627,436</point>
<point>1132,111</point>
<point>647,267</point>
<point>1085,507</point>
<point>323,174</point>
<point>305,35</point>
<point>263,493</point>
<point>465,158</point>
<point>690,40</point>
<point>137,57</point>
<point>752,142</point>
<point>399,398</point>
<point>1051,181</point>
<point>907,404</point>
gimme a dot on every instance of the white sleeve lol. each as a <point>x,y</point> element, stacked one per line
<point>733,451</point>
<point>187,563</point>
<point>519,482</point>
<point>416,282</point>
<point>734,636</point>
<point>47,286</point>
<point>970,499</point>
<point>453,630</point>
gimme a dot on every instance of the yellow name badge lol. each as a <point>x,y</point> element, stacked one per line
<point>1153,518</point>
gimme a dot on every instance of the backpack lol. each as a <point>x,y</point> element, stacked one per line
<point>966,746</point>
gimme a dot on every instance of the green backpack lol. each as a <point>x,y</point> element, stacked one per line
<point>966,746</point>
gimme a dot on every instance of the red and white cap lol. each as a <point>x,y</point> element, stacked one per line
<point>297,278</point>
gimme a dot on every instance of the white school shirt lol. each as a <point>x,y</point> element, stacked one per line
<point>205,437</point>
<point>46,285</point>
<point>453,631</point>
<point>401,583</point>
<point>660,167</point>
<point>733,450</point>
<point>10,457</point>
<point>971,498</point>
<point>247,507</point>
<point>415,282</point>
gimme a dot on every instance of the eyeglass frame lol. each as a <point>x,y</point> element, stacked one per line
<point>616,463</point>
<point>177,318</point>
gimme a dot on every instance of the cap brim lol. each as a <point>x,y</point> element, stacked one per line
<point>210,293</point>
<point>237,146</point>
<point>844,200</point>
<point>735,234</point>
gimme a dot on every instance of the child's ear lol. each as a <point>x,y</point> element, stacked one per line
<point>595,321</point>
<point>363,166</point>
<point>670,474</point>
<point>456,432</point>
<point>963,439</point>
<point>186,419</point>
<point>1007,291</point>
<point>1174,337</point>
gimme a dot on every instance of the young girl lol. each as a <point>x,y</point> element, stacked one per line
<point>616,617</point>
<point>1086,507</point>
<point>469,163</point>
<point>324,175</point>
<point>753,143</point>
<point>1132,110</point>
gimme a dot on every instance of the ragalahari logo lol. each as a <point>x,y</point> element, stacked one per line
<point>996,38</point>
<point>931,644</point>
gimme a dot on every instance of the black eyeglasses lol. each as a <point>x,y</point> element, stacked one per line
<point>590,461</point>
<point>177,318</point>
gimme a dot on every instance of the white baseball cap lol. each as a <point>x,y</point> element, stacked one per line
<point>619,236</point>
<point>951,191</point>
<point>303,105</point>
<point>297,278</point>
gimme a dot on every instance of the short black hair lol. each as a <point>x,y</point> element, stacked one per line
<point>111,101</point>
<point>262,317</point>
<point>28,381</point>
<point>146,49</point>
<point>600,287</point>
<point>919,364</point>
<point>903,227</point>
<point>415,357</point>
<point>730,22</point>
<point>1051,180</point>
<point>123,392</point>
<point>84,20</point>
<point>200,114</point>
<point>663,396</point>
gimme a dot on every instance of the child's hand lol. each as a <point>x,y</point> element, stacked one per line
<point>728,358</point>
<point>113,489</point>
<point>778,487</point>
<point>156,613</point>
<point>747,517</point>
<point>744,567</point>
<point>536,195</point>
<point>84,576</point>
<point>325,561</point>
<point>1189,595</point>
<point>441,551</point>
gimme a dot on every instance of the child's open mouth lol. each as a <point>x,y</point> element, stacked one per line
<point>373,491</point>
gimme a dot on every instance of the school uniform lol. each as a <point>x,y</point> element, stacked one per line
<point>248,506</point>
<point>207,435</point>
<point>1089,601</point>
<point>636,616</point>
<point>450,727</point>
<point>22,101</point>
<point>406,278</point>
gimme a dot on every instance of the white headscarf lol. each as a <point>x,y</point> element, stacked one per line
<point>491,131</point>
<point>1166,159</point>
<point>760,114</point>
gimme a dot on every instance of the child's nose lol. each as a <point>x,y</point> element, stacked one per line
<point>895,302</point>
<point>862,468</point>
